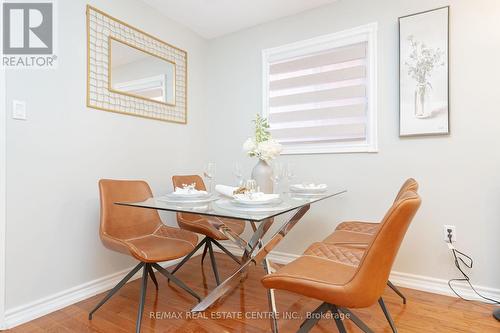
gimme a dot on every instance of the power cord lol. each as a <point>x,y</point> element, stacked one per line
<point>458,259</point>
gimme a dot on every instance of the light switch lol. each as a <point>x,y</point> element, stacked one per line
<point>19,110</point>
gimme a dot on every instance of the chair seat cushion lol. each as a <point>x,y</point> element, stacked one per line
<point>314,277</point>
<point>165,243</point>
<point>208,225</point>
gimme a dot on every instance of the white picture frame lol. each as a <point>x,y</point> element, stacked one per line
<point>424,73</point>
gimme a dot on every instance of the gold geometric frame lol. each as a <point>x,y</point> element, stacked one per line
<point>101,28</point>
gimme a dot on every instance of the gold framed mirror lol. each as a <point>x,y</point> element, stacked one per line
<point>132,72</point>
<point>139,73</point>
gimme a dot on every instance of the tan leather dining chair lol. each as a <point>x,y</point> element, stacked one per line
<point>344,284</point>
<point>357,234</point>
<point>206,226</point>
<point>139,233</point>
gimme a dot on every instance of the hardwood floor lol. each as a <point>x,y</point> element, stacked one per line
<point>424,312</point>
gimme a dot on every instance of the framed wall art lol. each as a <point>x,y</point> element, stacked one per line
<point>424,73</point>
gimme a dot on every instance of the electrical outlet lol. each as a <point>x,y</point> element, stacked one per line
<point>453,233</point>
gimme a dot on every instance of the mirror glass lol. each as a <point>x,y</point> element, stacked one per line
<point>140,74</point>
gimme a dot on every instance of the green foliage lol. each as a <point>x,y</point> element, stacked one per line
<point>261,129</point>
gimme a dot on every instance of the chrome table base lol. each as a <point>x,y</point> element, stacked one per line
<point>255,251</point>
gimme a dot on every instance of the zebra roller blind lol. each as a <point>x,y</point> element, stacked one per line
<point>319,94</point>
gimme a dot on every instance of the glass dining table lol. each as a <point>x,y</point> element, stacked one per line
<point>269,225</point>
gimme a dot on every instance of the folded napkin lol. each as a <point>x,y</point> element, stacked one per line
<point>188,191</point>
<point>225,190</point>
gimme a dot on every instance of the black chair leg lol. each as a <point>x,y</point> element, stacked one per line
<point>496,314</point>
<point>152,275</point>
<point>338,319</point>
<point>387,315</point>
<point>396,290</point>
<point>181,284</point>
<point>204,251</point>
<point>186,258</point>
<point>214,263</point>
<point>315,317</point>
<point>226,251</point>
<point>362,326</point>
<point>143,297</point>
<point>116,288</point>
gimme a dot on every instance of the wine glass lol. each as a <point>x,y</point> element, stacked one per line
<point>238,172</point>
<point>278,173</point>
<point>251,186</point>
<point>209,173</point>
<point>288,173</point>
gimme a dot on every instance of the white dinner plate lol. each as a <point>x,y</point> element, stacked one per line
<point>230,205</point>
<point>188,195</point>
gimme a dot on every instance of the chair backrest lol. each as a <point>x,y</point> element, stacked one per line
<point>126,222</point>
<point>370,280</point>
<point>409,185</point>
<point>179,181</point>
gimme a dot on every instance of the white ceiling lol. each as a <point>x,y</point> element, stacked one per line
<point>214,18</point>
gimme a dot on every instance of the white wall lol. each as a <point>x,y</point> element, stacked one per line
<point>459,174</point>
<point>3,176</point>
<point>56,157</point>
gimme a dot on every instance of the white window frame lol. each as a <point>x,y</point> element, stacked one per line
<point>366,33</point>
<point>148,83</point>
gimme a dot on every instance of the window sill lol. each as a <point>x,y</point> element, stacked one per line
<point>301,150</point>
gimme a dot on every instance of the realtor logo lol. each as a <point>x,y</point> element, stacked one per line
<point>28,34</point>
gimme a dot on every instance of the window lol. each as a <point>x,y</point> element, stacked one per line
<point>320,94</point>
<point>154,87</point>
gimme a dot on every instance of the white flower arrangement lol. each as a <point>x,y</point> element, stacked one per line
<point>422,61</point>
<point>262,146</point>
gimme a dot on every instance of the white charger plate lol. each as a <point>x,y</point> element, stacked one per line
<point>300,195</point>
<point>186,200</point>
<point>256,203</point>
<point>299,188</point>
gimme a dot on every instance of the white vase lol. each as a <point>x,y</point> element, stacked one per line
<point>262,173</point>
<point>422,100</point>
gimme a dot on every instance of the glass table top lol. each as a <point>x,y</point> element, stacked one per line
<point>221,206</point>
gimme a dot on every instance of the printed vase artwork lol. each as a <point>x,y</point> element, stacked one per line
<point>423,86</point>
